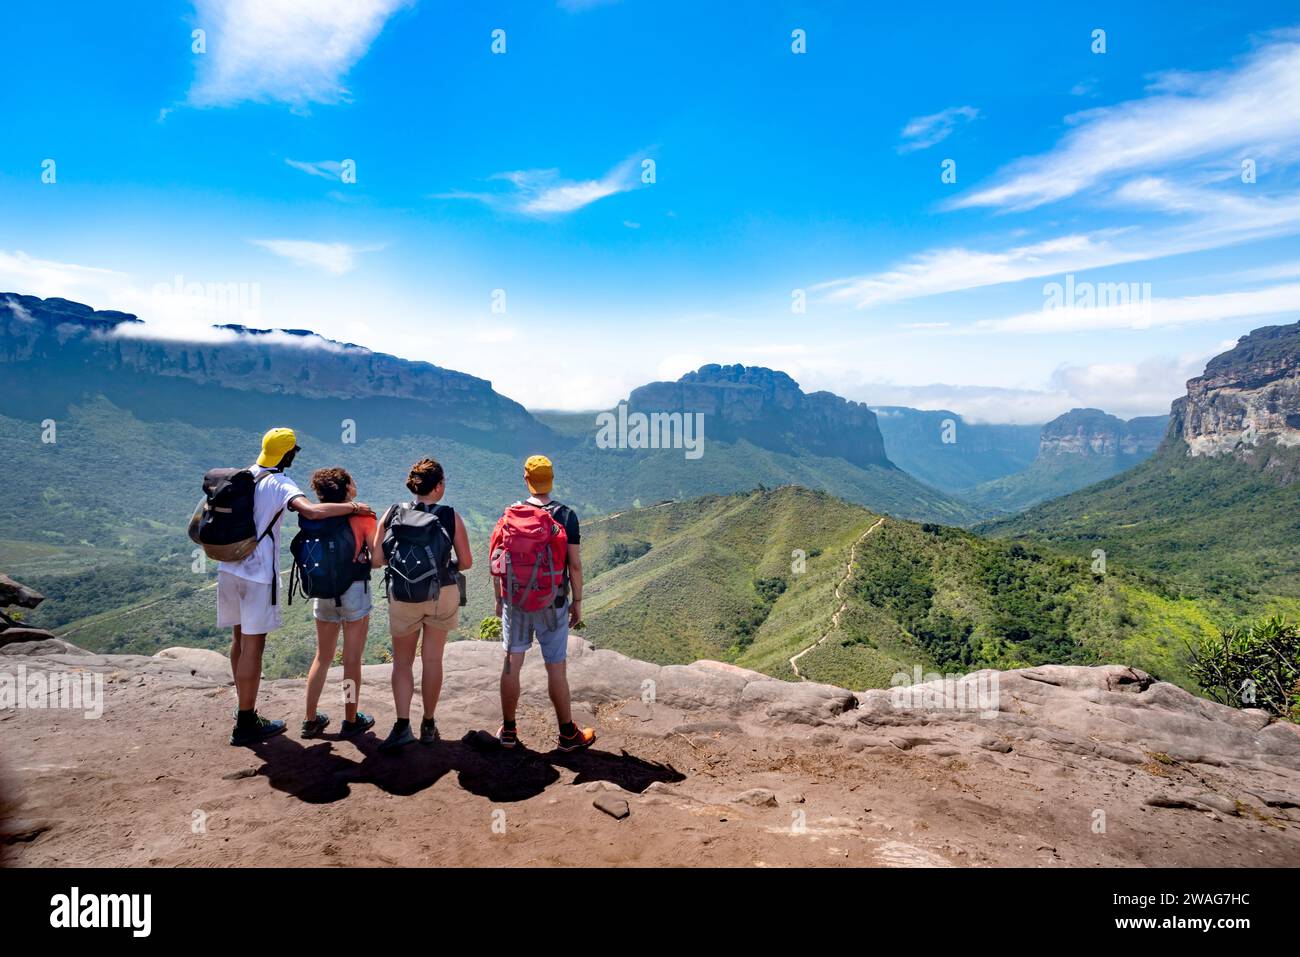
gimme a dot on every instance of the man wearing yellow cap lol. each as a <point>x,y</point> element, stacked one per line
<point>248,600</point>
<point>551,629</point>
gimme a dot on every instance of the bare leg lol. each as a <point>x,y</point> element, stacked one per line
<point>234,652</point>
<point>431,677</point>
<point>354,644</point>
<point>248,671</point>
<point>510,684</point>
<point>557,685</point>
<point>403,673</point>
<point>327,639</point>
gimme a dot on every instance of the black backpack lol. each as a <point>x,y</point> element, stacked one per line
<point>322,559</point>
<point>223,522</point>
<point>417,547</point>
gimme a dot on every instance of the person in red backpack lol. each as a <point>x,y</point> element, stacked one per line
<point>537,575</point>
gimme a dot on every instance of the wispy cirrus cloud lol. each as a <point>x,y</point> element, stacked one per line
<point>1180,311</point>
<point>1200,218</point>
<point>922,132</point>
<point>333,258</point>
<point>325,169</point>
<point>544,192</point>
<point>296,52</point>
<point>1219,116</point>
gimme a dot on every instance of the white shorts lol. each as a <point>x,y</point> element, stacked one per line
<point>246,604</point>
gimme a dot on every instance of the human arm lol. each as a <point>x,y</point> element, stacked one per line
<point>377,559</point>
<point>464,557</point>
<point>575,585</point>
<point>318,510</point>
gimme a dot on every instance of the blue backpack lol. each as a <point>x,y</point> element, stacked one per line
<point>322,559</point>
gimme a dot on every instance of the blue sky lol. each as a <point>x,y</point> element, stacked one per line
<point>774,171</point>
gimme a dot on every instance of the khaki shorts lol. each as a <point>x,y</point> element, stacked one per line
<point>405,617</point>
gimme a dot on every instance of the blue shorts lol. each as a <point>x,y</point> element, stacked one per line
<point>354,604</point>
<point>550,626</point>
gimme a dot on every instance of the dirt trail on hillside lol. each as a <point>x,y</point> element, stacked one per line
<point>715,765</point>
<point>839,596</point>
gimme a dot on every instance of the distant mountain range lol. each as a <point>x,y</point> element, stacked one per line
<point>944,450</point>
<point>1076,449</point>
<point>1207,527</point>
<point>1217,507</point>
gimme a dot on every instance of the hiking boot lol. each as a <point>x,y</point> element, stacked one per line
<point>314,726</point>
<point>508,737</point>
<point>364,722</point>
<point>581,738</point>
<point>429,731</point>
<point>259,729</point>
<point>398,738</point>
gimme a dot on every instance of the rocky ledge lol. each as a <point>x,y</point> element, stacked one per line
<point>702,763</point>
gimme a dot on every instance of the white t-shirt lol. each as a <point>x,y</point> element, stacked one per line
<point>272,494</point>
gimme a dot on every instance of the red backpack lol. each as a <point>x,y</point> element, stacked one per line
<point>528,551</point>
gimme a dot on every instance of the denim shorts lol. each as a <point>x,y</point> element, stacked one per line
<point>354,605</point>
<point>550,627</point>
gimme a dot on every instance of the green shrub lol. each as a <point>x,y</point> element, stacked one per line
<point>489,629</point>
<point>1252,666</point>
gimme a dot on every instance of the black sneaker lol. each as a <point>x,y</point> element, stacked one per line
<point>581,738</point>
<point>257,730</point>
<point>399,737</point>
<point>316,725</point>
<point>364,722</point>
<point>429,731</point>
<point>509,737</point>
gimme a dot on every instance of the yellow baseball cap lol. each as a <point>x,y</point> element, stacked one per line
<point>275,445</point>
<point>538,474</point>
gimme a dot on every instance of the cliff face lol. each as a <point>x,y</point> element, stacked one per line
<point>1247,402</point>
<point>60,335</point>
<point>1092,432</point>
<point>769,409</point>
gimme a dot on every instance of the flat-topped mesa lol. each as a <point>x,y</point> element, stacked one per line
<point>1247,402</point>
<point>56,333</point>
<point>1092,432</point>
<point>768,409</point>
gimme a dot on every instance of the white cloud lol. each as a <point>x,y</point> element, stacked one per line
<point>45,278</point>
<point>922,132</point>
<point>283,51</point>
<point>1203,219</point>
<point>19,309</point>
<point>1127,389</point>
<point>1250,111</point>
<point>974,403</point>
<point>1185,310</point>
<point>325,169</point>
<point>333,258</point>
<point>542,192</point>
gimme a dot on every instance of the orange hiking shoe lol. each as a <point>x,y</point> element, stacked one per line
<point>577,740</point>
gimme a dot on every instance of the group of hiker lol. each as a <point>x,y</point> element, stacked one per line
<point>423,547</point>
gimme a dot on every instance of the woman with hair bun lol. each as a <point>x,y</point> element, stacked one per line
<point>423,545</point>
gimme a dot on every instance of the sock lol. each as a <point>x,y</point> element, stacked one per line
<point>508,725</point>
<point>568,729</point>
<point>402,723</point>
<point>244,718</point>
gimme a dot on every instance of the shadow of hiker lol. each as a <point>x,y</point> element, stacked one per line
<point>516,774</point>
<point>314,774</point>
<point>626,770</point>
